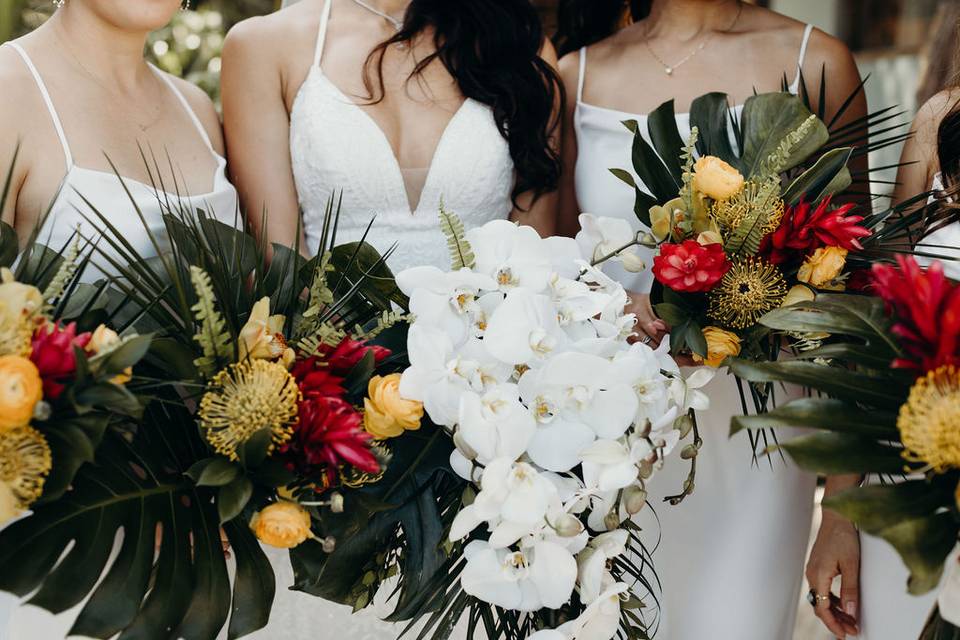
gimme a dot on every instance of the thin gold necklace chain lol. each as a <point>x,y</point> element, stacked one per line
<point>397,23</point>
<point>670,68</point>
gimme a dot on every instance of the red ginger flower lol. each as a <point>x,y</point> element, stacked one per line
<point>926,307</point>
<point>315,379</point>
<point>690,266</point>
<point>804,229</point>
<point>329,433</point>
<point>345,356</point>
<point>53,354</point>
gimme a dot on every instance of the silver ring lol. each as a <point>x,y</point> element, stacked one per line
<point>815,599</point>
<point>646,340</point>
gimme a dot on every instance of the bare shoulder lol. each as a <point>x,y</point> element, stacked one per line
<point>20,101</point>
<point>282,31</point>
<point>202,105</point>
<point>926,125</point>
<point>785,33</point>
<point>569,67</point>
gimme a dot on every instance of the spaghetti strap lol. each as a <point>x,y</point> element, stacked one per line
<point>583,73</point>
<point>186,107</point>
<point>58,125</point>
<point>795,86</point>
<point>322,33</point>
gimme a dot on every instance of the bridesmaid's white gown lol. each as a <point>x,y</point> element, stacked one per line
<point>730,559</point>
<point>335,145</point>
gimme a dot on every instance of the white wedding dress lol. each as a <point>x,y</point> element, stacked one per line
<point>337,147</point>
<point>730,557</point>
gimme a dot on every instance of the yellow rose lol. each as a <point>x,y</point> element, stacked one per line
<point>798,293</point>
<point>19,303</point>
<point>720,344</point>
<point>284,525</point>
<point>105,340</point>
<point>262,337</point>
<point>20,390</point>
<point>386,413</point>
<point>715,178</point>
<point>824,265</point>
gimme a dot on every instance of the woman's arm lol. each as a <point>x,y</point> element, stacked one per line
<point>541,213</point>
<point>569,209</point>
<point>257,128</point>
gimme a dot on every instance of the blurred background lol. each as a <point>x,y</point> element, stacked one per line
<point>909,48</point>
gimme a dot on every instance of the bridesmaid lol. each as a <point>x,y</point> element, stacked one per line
<point>731,555</point>
<point>78,96</point>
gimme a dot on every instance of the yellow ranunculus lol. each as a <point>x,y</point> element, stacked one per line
<point>798,293</point>
<point>715,178</point>
<point>19,303</point>
<point>262,338</point>
<point>284,525</point>
<point>720,344</point>
<point>662,219</point>
<point>104,340</point>
<point>20,390</point>
<point>824,265</point>
<point>386,414</point>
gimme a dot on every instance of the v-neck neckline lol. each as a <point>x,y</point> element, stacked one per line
<point>399,192</point>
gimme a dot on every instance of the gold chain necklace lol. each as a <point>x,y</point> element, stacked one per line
<point>670,68</point>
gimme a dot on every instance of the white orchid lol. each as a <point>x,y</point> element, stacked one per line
<point>592,562</point>
<point>446,300</point>
<point>599,621</point>
<point>529,579</point>
<point>514,256</point>
<point>686,392</point>
<point>524,329</point>
<point>603,238</point>
<point>495,424</point>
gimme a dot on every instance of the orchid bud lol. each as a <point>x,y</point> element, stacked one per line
<point>612,520</point>
<point>689,452</point>
<point>683,424</point>
<point>42,411</point>
<point>568,526</point>
<point>632,262</point>
<point>634,499</point>
<point>329,544</point>
<point>646,469</point>
<point>336,502</point>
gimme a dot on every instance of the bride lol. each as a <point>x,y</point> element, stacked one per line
<point>731,555</point>
<point>77,92</point>
<point>397,106</point>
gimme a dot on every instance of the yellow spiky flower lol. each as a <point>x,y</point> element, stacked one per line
<point>755,200</point>
<point>929,422</point>
<point>25,462</point>
<point>246,398</point>
<point>751,288</point>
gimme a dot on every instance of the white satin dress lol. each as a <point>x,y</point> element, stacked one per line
<point>730,557</point>
<point>336,146</point>
<point>68,213</point>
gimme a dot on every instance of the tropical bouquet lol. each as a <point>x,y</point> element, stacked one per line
<point>889,407</point>
<point>63,379</point>
<point>745,223</point>
<point>483,467</point>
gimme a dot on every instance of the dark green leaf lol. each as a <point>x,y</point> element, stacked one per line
<point>874,508</point>
<point>825,414</point>
<point>833,453</point>
<point>9,245</point>
<point>356,381</point>
<point>829,175</point>
<point>254,586</point>
<point>360,262</point>
<point>924,545</point>
<point>651,170</point>
<point>625,176</point>
<point>213,472</point>
<point>665,136</point>
<point>767,119</point>
<point>126,355</point>
<point>256,449</point>
<point>710,113</point>
<point>671,313</point>
<point>233,497</point>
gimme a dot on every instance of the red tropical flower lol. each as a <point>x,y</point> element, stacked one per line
<point>329,433</point>
<point>926,307</point>
<point>53,354</point>
<point>804,229</point>
<point>315,379</point>
<point>690,266</point>
<point>345,356</point>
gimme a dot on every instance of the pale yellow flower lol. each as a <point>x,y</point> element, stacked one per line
<point>386,413</point>
<point>19,305</point>
<point>20,390</point>
<point>261,338</point>
<point>105,340</point>
<point>798,293</point>
<point>284,525</point>
<point>720,344</point>
<point>710,237</point>
<point>716,179</point>
<point>663,219</point>
<point>823,266</point>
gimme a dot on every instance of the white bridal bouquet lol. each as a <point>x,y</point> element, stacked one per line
<point>522,351</point>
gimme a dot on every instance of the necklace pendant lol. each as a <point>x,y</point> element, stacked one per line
<point>668,71</point>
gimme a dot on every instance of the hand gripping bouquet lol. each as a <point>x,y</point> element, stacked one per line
<point>888,409</point>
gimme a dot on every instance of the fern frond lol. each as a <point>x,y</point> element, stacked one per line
<point>64,275</point>
<point>461,255</point>
<point>326,334</point>
<point>749,216</point>
<point>386,320</point>
<point>212,336</point>
<point>777,161</point>
<point>686,157</point>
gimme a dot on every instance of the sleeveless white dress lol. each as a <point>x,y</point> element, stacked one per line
<point>730,557</point>
<point>336,147</point>
<point>68,213</point>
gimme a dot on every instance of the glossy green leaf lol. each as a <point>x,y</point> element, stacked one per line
<point>254,585</point>
<point>361,261</point>
<point>833,453</point>
<point>665,136</point>
<point>768,118</point>
<point>824,414</point>
<point>126,355</point>
<point>213,472</point>
<point>651,170</point>
<point>710,113</point>
<point>874,508</point>
<point>827,176</point>
<point>233,497</point>
<point>924,544</point>
<point>9,245</point>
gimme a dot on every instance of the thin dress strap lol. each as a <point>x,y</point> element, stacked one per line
<point>68,156</point>
<point>322,35</point>
<point>186,107</point>
<point>795,87</point>
<point>583,73</point>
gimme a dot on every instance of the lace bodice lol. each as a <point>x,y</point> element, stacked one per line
<point>335,145</point>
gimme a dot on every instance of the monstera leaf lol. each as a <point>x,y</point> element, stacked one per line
<point>135,520</point>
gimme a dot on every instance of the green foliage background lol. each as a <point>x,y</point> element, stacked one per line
<point>189,47</point>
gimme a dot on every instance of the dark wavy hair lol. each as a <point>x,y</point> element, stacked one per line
<point>492,49</point>
<point>948,149</point>
<point>582,22</point>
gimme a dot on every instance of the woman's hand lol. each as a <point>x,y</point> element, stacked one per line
<point>648,324</point>
<point>836,552</point>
